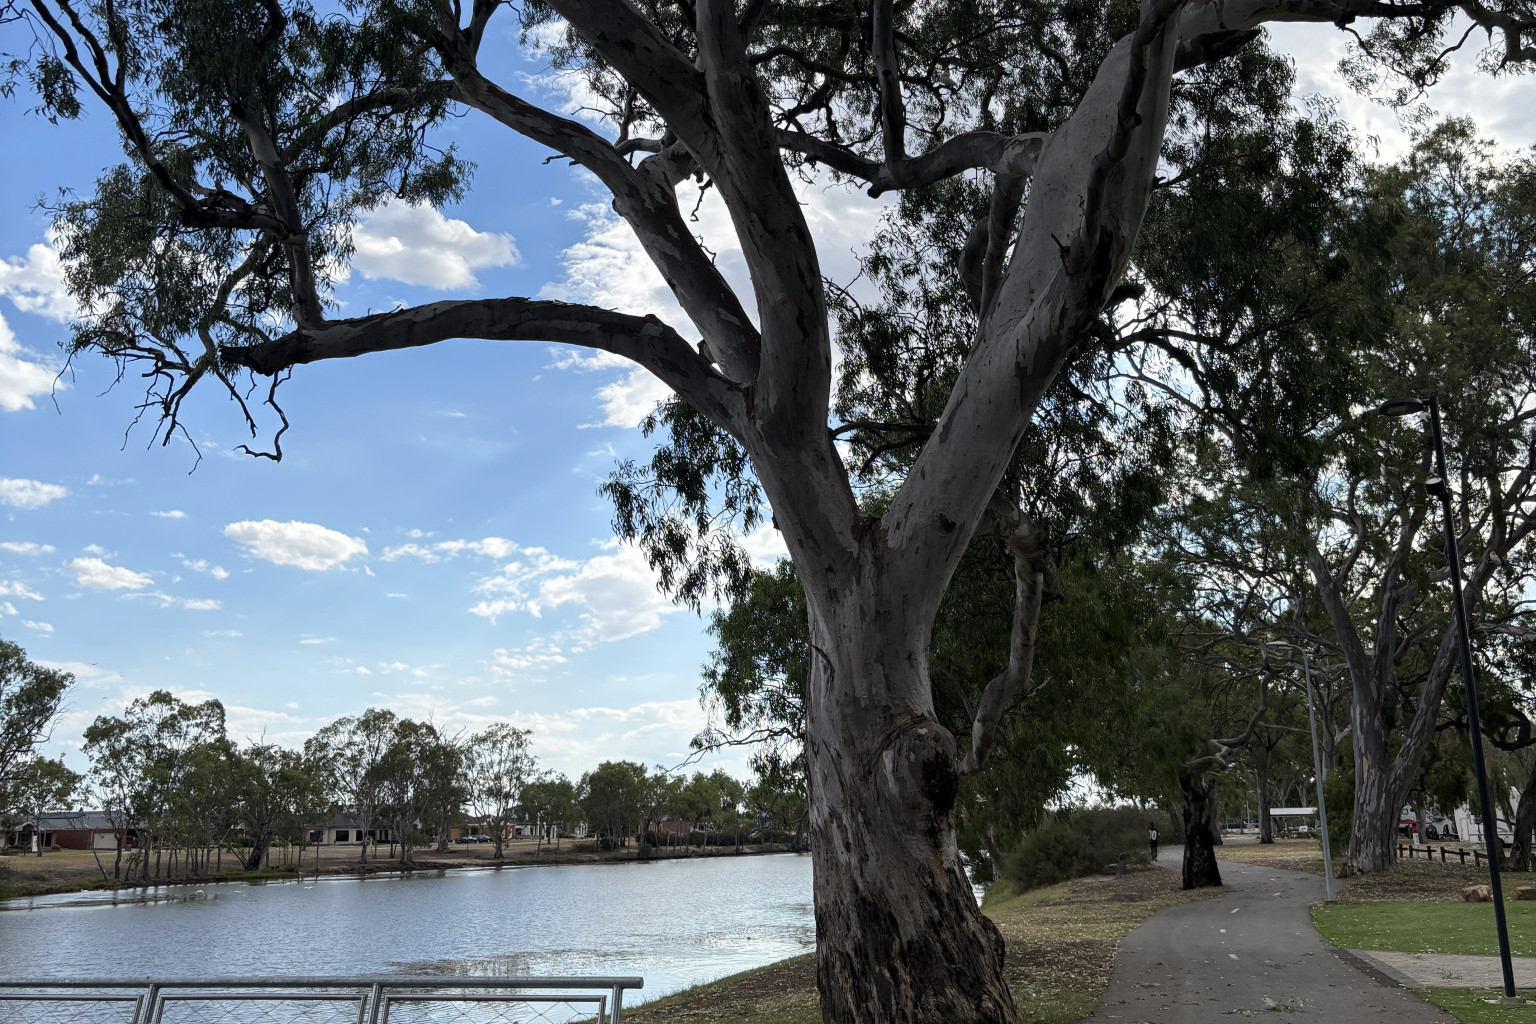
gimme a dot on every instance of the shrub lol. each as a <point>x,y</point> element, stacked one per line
<point>1081,842</point>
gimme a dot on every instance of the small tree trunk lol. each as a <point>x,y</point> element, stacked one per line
<point>1199,815</point>
<point>1266,823</point>
<point>1525,824</point>
<point>257,855</point>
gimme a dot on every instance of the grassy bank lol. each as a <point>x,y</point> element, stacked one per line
<point>1464,929</point>
<point>1061,949</point>
<point>1471,1006</point>
<point>65,871</point>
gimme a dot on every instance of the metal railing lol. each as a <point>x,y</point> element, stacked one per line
<point>385,999</point>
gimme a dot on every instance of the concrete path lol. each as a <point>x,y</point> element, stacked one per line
<point>1445,970</point>
<point>1249,952</point>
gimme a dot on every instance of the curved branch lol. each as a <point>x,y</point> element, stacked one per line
<point>1034,580</point>
<point>1014,155</point>
<point>644,339</point>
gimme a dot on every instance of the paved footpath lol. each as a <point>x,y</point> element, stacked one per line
<point>1445,970</point>
<point>1246,953</point>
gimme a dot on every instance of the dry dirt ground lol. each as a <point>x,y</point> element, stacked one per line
<point>1415,879</point>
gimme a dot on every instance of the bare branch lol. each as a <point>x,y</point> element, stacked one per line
<point>646,340</point>
<point>1034,579</point>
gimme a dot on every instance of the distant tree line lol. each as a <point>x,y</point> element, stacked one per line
<point>180,793</point>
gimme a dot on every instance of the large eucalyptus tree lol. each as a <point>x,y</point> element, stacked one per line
<point>257,130</point>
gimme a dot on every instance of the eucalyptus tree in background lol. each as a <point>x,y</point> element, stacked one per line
<point>1437,299</point>
<point>420,783</point>
<point>350,752</point>
<point>1463,313</point>
<point>498,768</point>
<point>444,785</point>
<point>615,796</point>
<point>212,251</point>
<point>271,789</point>
<point>140,762</point>
<point>550,803</point>
<point>40,785</point>
<point>31,697</point>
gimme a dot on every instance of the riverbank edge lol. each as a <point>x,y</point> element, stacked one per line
<point>369,869</point>
<point>1062,944</point>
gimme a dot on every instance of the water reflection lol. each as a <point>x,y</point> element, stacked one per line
<point>676,923</point>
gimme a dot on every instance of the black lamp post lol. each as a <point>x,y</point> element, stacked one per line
<point>1437,487</point>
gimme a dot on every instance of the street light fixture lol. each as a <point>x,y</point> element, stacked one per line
<point>1436,486</point>
<point>1317,769</point>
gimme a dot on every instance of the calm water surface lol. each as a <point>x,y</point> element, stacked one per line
<point>676,923</point>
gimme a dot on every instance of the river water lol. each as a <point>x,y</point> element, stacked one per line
<point>675,923</point>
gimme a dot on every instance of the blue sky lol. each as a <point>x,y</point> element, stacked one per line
<point>433,540</point>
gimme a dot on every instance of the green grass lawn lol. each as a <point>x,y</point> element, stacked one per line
<point>1427,926</point>
<point>1471,1006</point>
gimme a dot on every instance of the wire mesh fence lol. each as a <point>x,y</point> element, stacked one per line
<point>386,1000</point>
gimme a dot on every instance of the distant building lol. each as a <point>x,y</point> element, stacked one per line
<point>343,830</point>
<point>72,830</point>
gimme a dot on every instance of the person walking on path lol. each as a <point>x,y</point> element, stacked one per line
<point>1152,838</point>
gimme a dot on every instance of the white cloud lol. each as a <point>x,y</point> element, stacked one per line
<point>418,245</point>
<point>765,546</point>
<point>618,592</point>
<point>6,608</point>
<point>488,547</point>
<point>541,654</point>
<point>311,640</point>
<point>20,547</point>
<point>221,634</point>
<point>304,545</point>
<point>98,575</point>
<point>18,589</point>
<point>86,674</point>
<point>201,565</point>
<point>652,732</point>
<point>201,604</point>
<point>29,493</point>
<point>174,513</point>
<point>41,627</point>
<point>21,377</point>
<point>35,283</point>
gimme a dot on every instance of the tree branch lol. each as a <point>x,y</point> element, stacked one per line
<point>1034,578</point>
<point>646,340</point>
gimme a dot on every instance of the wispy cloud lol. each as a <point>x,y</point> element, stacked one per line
<point>302,545</point>
<point>95,574</point>
<point>20,493</point>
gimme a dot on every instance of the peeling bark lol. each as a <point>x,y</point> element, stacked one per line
<point>899,937</point>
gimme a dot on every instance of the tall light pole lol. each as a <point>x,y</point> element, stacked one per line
<point>1436,485</point>
<point>1317,769</point>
